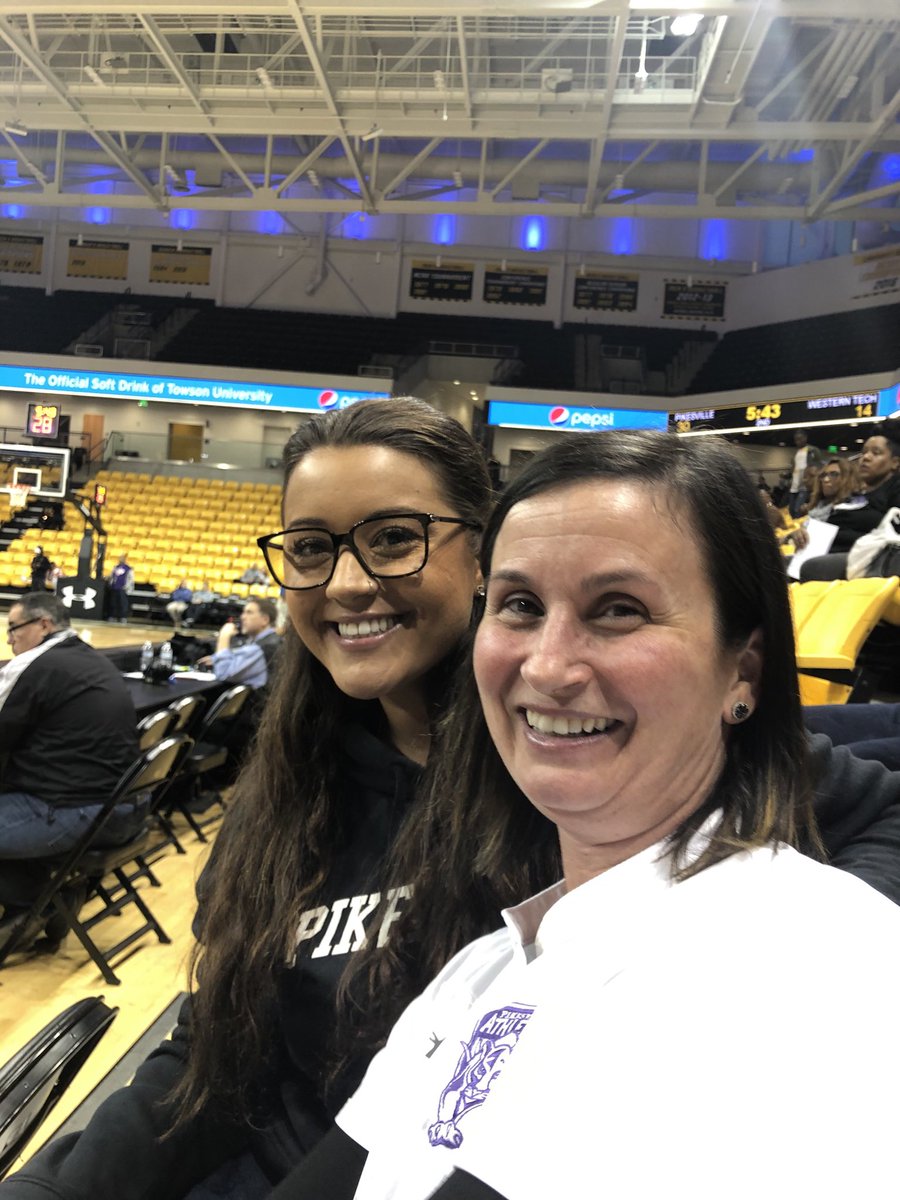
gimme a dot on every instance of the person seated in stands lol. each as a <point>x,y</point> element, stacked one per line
<point>179,600</point>
<point>201,607</point>
<point>859,513</point>
<point>253,660</point>
<point>253,574</point>
<point>835,482</point>
<point>806,456</point>
<point>67,733</point>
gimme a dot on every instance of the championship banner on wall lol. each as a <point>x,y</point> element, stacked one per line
<point>703,300</point>
<point>447,281</point>
<point>514,284</point>
<point>605,291</point>
<point>190,264</point>
<point>877,273</point>
<point>97,260</point>
<point>21,255</point>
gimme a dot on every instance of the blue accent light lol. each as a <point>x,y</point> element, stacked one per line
<point>890,167</point>
<point>444,229</point>
<point>802,156</point>
<point>183,218</point>
<point>622,235</point>
<point>99,216</point>
<point>269,223</point>
<point>13,211</point>
<point>534,233</point>
<point>713,239</point>
<point>355,226</point>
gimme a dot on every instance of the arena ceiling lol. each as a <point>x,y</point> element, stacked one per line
<point>787,109</point>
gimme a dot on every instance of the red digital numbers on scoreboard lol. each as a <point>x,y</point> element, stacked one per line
<point>43,420</point>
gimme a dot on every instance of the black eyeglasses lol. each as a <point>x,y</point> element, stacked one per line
<point>21,625</point>
<point>391,546</point>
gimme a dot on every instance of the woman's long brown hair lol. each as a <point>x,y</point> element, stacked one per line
<point>283,825</point>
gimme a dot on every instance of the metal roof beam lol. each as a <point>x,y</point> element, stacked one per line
<point>464,65</point>
<point>886,118</point>
<point>312,53</point>
<point>411,166</point>
<point>598,146</point>
<point>28,55</point>
<point>164,50</point>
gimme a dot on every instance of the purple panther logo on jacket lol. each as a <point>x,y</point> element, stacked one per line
<point>480,1063</point>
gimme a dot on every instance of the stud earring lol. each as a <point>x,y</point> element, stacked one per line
<point>479,591</point>
<point>740,710</point>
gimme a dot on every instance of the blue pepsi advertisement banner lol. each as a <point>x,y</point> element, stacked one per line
<point>515,415</point>
<point>177,388</point>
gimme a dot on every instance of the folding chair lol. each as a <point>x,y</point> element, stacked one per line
<point>35,1078</point>
<point>87,863</point>
<point>153,728</point>
<point>211,750</point>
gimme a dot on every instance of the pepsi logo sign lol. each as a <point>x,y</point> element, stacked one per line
<point>559,415</point>
<point>328,399</point>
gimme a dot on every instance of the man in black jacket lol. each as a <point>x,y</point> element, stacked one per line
<point>67,732</point>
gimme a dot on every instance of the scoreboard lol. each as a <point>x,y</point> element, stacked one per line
<point>43,420</point>
<point>855,406</point>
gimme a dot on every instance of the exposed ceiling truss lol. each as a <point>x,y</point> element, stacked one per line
<point>767,110</point>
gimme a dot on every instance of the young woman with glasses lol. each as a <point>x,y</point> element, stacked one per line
<point>382,509</point>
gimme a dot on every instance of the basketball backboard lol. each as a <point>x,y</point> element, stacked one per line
<point>43,470</point>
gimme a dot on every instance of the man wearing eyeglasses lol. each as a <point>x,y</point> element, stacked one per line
<point>67,732</point>
<point>250,662</point>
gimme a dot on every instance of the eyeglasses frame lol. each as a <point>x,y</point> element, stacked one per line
<point>21,625</point>
<point>346,539</point>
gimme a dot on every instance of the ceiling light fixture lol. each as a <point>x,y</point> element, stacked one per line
<point>557,79</point>
<point>371,133</point>
<point>177,178</point>
<point>458,180</point>
<point>685,24</point>
<point>94,76</point>
<point>15,128</point>
<point>264,77</point>
<point>313,177</point>
<point>641,75</point>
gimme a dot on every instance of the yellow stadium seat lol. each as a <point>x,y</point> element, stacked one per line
<point>832,635</point>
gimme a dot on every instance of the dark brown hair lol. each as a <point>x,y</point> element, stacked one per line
<point>476,845</point>
<point>283,825</point>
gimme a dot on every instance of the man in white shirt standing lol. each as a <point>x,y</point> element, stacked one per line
<point>805,456</point>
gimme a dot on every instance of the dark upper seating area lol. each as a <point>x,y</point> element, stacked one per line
<point>31,321</point>
<point>331,344</point>
<point>848,343</point>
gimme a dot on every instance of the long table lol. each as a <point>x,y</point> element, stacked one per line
<point>148,697</point>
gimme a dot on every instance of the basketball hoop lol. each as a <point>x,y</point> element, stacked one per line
<point>18,496</point>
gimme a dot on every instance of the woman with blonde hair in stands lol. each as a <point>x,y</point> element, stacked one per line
<point>835,481</point>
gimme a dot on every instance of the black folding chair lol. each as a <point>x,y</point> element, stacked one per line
<point>211,750</point>
<point>186,713</point>
<point>83,869</point>
<point>35,1078</point>
<point>153,728</point>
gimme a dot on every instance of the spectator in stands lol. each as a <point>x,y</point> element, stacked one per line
<point>253,574</point>
<point>40,567</point>
<point>781,492</point>
<point>253,660</point>
<point>180,598</point>
<point>361,691</point>
<point>860,512</point>
<point>835,483</point>
<point>805,456</point>
<point>121,585</point>
<point>67,730</point>
<point>202,606</point>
